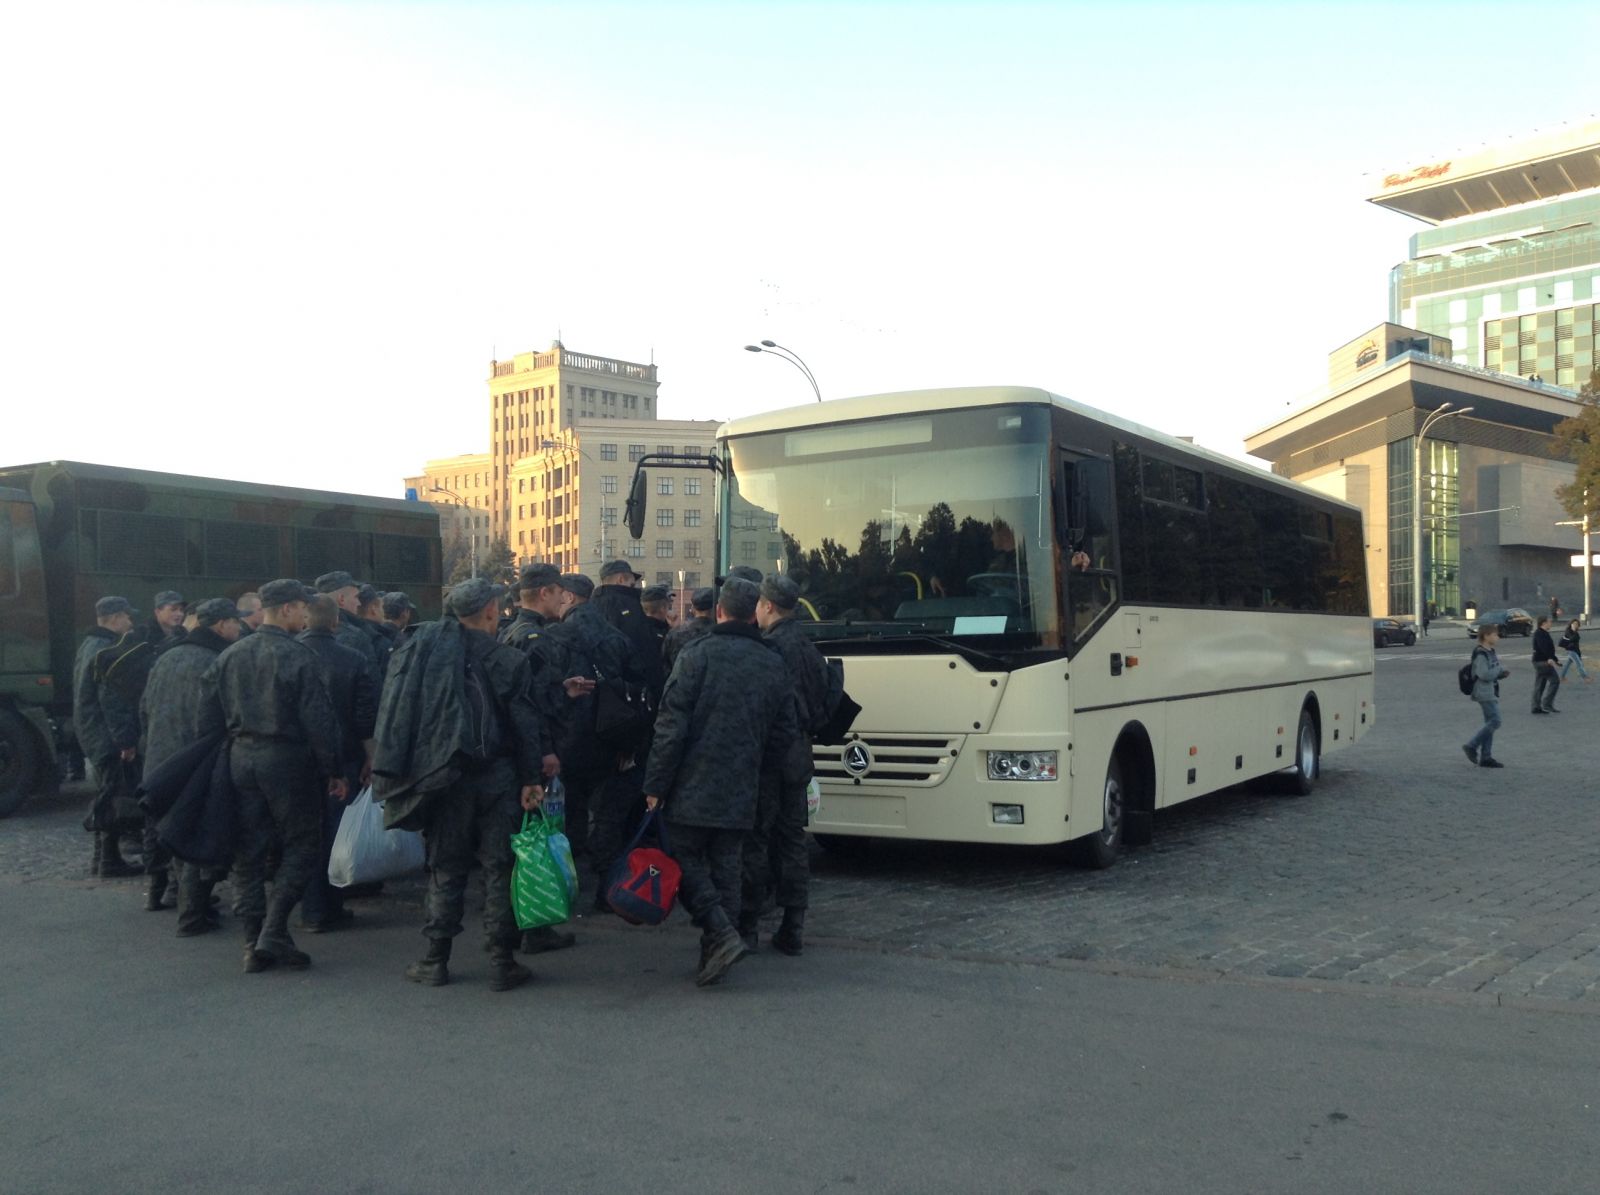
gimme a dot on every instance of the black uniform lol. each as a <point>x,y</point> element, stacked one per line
<point>524,627</point>
<point>357,634</point>
<point>267,690</point>
<point>727,714</point>
<point>106,724</point>
<point>680,636</point>
<point>348,678</point>
<point>620,606</point>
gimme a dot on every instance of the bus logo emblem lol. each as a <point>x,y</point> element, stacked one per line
<point>857,759</point>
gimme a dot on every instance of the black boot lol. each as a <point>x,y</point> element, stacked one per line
<point>254,962</point>
<point>153,902</point>
<point>789,940</point>
<point>433,968</point>
<point>505,972</point>
<point>726,948</point>
<point>749,929</point>
<point>112,865</point>
<point>276,944</point>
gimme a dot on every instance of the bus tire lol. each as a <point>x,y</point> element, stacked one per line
<point>1302,778</point>
<point>1100,849</point>
<point>22,762</point>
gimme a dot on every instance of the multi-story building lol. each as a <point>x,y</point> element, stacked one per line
<point>1509,269</point>
<point>459,487</point>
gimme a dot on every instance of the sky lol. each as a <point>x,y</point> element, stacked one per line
<point>283,242</point>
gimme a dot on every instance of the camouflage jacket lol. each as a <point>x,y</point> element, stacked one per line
<point>105,723</point>
<point>523,628</point>
<point>680,636</point>
<point>170,710</point>
<point>582,644</point>
<point>350,688</point>
<point>267,686</point>
<point>727,715</point>
<point>357,634</point>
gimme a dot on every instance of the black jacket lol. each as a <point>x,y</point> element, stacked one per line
<point>193,797</point>
<point>357,634</point>
<point>170,710</point>
<point>106,723</point>
<point>350,688</point>
<point>728,713</point>
<point>1571,642</point>
<point>809,674</point>
<point>581,644</point>
<point>1544,647</point>
<point>522,629</point>
<point>619,604</point>
<point>270,687</point>
<point>680,636</point>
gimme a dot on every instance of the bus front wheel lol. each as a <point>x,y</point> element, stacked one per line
<point>1100,849</point>
<point>1307,757</point>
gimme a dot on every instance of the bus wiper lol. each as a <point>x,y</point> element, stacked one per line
<point>965,650</point>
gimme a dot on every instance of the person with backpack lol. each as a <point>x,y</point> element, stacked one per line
<point>1570,645</point>
<point>1480,679</point>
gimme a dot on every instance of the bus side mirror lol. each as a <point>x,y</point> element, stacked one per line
<point>637,500</point>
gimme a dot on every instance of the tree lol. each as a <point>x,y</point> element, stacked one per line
<point>499,565</point>
<point>1578,440</point>
<point>457,562</point>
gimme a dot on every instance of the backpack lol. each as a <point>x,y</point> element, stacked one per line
<point>1464,677</point>
<point>643,885</point>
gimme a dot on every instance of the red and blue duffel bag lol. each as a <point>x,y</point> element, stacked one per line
<point>643,886</point>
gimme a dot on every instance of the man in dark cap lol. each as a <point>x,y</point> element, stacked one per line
<point>170,715</point>
<point>617,598</point>
<point>743,572</point>
<point>399,611</point>
<point>690,629</point>
<point>476,812</point>
<point>538,605</point>
<point>727,715</point>
<point>267,690</point>
<point>656,602</point>
<point>355,703</point>
<point>166,620</point>
<point>354,631</point>
<point>249,605</point>
<point>107,727</point>
<point>369,609</point>
<point>778,839</point>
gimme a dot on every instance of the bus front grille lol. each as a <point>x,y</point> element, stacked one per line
<point>917,760</point>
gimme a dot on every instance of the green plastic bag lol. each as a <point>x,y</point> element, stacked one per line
<point>539,892</point>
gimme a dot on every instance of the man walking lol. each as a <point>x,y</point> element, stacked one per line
<point>267,690</point>
<point>1546,674</point>
<point>1486,677</point>
<point>107,727</point>
<point>727,714</point>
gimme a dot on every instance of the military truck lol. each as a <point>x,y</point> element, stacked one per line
<point>71,533</point>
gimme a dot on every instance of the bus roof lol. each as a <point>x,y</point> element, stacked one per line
<point>912,402</point>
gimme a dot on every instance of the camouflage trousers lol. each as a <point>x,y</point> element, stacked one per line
<point>280,794</point>
<point>472,819</point>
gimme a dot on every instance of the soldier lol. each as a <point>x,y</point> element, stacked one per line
<point>354,632</point>
<point>779,835</point>
<point>355,703</point>
<point>170,715</point>
<point>690,629</point>
<point>399,611</point>
<point>479,810</point>
<point>166,620</point>
<point>249,605</point>
<point>268,691</point>
<point>369,609</point>
<point>538,605</point>
<point>656,602</point>
<point>107,727</point>
<point>617,598</point>
<point>727,715</point>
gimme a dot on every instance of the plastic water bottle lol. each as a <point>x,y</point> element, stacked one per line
<point>555,802</point>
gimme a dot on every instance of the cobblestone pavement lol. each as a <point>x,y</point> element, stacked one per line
<point>1405,869</point>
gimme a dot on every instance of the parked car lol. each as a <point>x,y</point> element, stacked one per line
<point>1515,621</point>
<point>1386,632</point>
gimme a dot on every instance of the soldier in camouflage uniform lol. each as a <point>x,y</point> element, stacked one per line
<point>170,714</point>
<point>355,632</point>
<point>727,715</point>
<point>268,691</point>
<point>690,629</point>
<point>107,727</point>
<point>399,611</point>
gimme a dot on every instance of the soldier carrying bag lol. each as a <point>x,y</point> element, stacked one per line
<point>622,713</point>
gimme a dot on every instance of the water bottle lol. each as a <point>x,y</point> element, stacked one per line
<point>555,802</point>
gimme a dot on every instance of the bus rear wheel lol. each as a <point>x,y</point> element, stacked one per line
<point>1307,757</point>
<point>1100,849</point>
<point>21,762</point>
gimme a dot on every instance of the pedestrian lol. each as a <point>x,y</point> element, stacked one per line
<point>1486,677</point>
<point>538,605</point>
<point>1546,678</point>
<point>165,627</point>
<point>1570,643</point>
<point>249,606</point>
<point>355,704</point>
<point>354,631</point>
<point>171,717</point>
<point>460,756</point>
<point>399,611</point>
<point>656,602</point>
<point>690,629</point>
<point>779,834</point>
<point>728,713</point>
<point>107,728</point>
<point>284,755</point>
<point>1555,607</point>
<point>369,609</point>
<point>617,598</point>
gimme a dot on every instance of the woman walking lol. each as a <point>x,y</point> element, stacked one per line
<point>1486,677</point>
<point>1569,644</point>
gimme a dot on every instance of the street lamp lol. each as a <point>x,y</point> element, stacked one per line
<point>775,349</point>
<point>472,528</point>
<point>1443,412</point>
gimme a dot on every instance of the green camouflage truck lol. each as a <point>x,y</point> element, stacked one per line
<point>71,533</point>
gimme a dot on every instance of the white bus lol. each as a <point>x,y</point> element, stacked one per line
<point>1056,621</point>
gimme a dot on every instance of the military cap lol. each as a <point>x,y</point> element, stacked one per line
<point>781,591</point>
<point>167,597</point>
<point>538,575</point>
<point>397,603</point>
<point>738,598</point>
<point>616,568</point>
<point>470,597</point>
<point>744,572</point>
<point>577,583</point>
<point>703,599</point>
<point>107,606</point>
<point>214,610</point>
<point>655,593</point>
<point>283,591</point>
<point>367,594</point>
<point>334,581</point>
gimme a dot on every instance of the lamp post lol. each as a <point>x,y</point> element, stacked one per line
<point>1443,412</point>
<point>472,529</point>
<point>775,349</point>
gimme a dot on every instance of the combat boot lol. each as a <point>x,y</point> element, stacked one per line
<point>505,972</point>
<point>749,931</point>
<point>254,962</point>
<point>153,896</point>
<point>726,948</point>
<point>112,865</point>
<point>275,942</point>
<point>433,968</point>
<point>789,939</point>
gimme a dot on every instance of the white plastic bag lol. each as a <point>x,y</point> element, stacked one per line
<point>364,852</point>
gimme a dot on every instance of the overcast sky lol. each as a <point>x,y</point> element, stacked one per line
<point>282,242</point>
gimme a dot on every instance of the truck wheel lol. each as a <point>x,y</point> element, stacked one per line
<point>21,762</point>
<point>1100,849</point>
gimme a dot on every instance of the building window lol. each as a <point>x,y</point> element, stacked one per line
<point>608,452</point>
<point>663,549</point>
<point>748,549</point>
<point>663,517</point>
<point>608,516</point>
<point>635,452</point>
<point>608,548</point>
<point>691,518</point>
<point>691,580</point>
<point>691,549</point>
<point>691,486</point>
<point>663,485</point>
<point>608,483</point>
<point>664,578</point>
<point>774,550</point>
<point>668,449</point>
<point>633,549</point>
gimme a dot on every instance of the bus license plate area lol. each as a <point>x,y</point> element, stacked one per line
<point>840,811</point>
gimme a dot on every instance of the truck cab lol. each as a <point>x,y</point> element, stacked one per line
<point>27,686</point>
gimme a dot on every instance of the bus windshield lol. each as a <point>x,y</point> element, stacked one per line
<point>932,524</point>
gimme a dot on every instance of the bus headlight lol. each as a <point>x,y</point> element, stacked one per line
<point>1022,765</point>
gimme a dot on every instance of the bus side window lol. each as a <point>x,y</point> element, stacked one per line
<point>1086,548</point>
